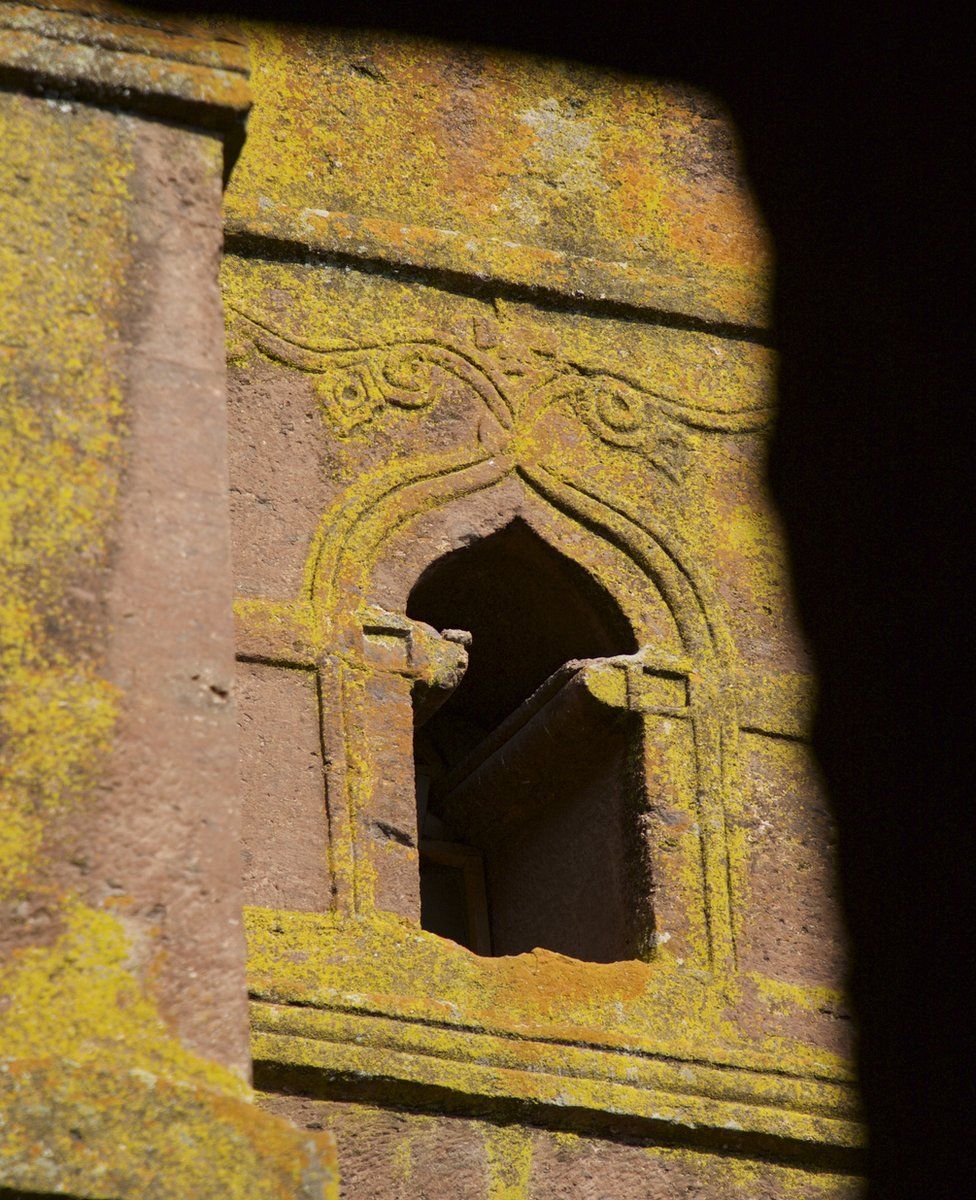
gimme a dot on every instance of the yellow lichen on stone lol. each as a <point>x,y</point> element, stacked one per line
<point>132,1135</point>
<point>401,1167</point>
<point>495,145</point>
<point>645,442</point>
<point>798,996</point>
<point>735,1178</point>
<point>62,266</point>
<point>98,1096</point>
<point>292,321</point>
<point>392,966</point>
<point>76,1000</point>
<point>93,1055</point>
<point>508,1154</point>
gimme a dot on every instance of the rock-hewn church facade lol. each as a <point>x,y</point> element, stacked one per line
<point>406,789</point>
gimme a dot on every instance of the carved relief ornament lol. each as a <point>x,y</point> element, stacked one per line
<point>515,382</point>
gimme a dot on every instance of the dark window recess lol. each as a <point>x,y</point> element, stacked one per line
<point>528,809</point>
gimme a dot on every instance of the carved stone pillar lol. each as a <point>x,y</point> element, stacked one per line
<point>123,1021</point>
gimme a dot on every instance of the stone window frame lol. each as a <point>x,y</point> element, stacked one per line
<point>346,996</point>
<point>374,651</point>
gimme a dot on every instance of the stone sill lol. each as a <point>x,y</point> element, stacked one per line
<point>322,1026</point>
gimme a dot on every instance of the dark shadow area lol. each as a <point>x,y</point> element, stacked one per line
<point>856,131</point>
<point>528,836</point>
<point>529,611</point>
<point>452,1103</point>
<point>22,1194</point>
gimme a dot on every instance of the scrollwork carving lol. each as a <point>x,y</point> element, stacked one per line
<point>355,383</point>
<point>515,382</point>
<point>622,416</point>
<point>350,393</point>
<point>409,370</point>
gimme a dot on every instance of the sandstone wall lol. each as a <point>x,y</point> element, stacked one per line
<point>469,292</point>
<point>124,1064</point>
<point>480,309</point>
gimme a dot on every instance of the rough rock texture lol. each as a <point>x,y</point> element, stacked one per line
<point>507,599</point>
<point>387,1155</point>
<point>283,794</point>
<point>498,364</point>
<point>123,1022</point>
<point>145,614</point>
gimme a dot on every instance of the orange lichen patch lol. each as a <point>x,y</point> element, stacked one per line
<point>385,965</point>
<point>533,153</point>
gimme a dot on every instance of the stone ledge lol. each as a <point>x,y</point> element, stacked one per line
<point>543,274</point>
<point>116,56</point>
<point>345,1055</point>
<point>335,1014</point>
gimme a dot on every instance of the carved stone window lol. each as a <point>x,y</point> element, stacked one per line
<point>492,722</point>
<point>561,788</point>
<point>521,769</point>
<point>526,827</point>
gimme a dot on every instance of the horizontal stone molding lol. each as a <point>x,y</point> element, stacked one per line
<point>343,1009</point>
<point>258,225</point>
<point>324,1051</point>
<point>164,68</point>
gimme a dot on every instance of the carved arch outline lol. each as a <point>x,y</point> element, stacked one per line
<point>349,541</point>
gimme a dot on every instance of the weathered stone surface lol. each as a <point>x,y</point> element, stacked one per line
<point>109,1132</point>
<point>500,387</point>
<point>547,176</point>
<point>487,442</point>
<point>107,52</point>
<point>397,1156</point>
<point>285,823</point>
<point>144,609</point>
<point>123,1021</point>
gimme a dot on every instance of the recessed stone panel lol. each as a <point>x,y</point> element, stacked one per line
<point>285,838</point>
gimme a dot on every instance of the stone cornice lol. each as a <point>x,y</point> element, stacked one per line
<point>110,54</point>
<point>256,225</point>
